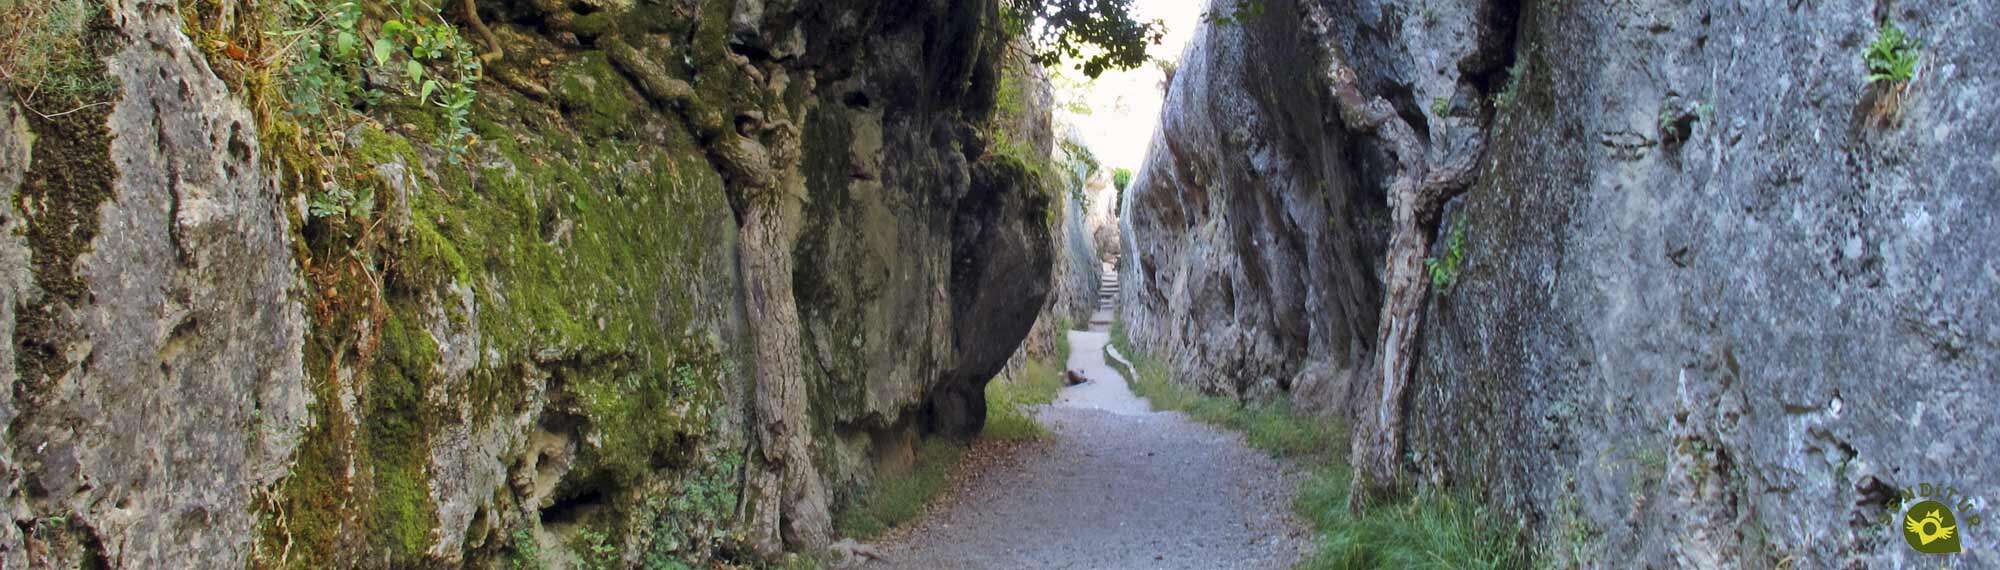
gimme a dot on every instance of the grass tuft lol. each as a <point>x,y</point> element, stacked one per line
<point>1007,400</point>
<point>50,53</point>
<point>896,499</point>
<point>1424,531</point>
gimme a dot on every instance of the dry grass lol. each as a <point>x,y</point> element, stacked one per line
<point>50,54</point>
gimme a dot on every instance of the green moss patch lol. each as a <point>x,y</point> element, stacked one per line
<point>70,173</point>
<point>584,259</point>
<point>595,96</point>
<point>69,176</point>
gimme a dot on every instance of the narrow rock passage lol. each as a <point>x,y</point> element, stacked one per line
<point>1114,485</point>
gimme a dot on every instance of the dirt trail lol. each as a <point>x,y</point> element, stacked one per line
<point>1114,485</point>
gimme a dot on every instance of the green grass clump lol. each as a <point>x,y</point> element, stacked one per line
<point>895,499</point>
<point>1428,530</point>
<point>49,52</point>
<point>1512,89</point>
<point>1149,378</point>
<point>1007,401</point>
<point>1424,531</point>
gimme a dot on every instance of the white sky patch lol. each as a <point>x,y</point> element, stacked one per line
<point>1125,105</point>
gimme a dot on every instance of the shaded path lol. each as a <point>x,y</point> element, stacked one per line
<point>1114,485</point>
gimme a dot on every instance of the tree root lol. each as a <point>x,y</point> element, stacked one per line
<point>494,53</point>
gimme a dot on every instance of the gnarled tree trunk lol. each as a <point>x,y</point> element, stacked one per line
<point>784,496</point>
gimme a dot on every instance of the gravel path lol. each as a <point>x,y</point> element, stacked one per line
<point>1113,486</point>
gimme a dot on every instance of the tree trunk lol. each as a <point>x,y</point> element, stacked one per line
<point>786,502</point>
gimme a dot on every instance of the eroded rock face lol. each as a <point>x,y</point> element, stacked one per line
<point>541,348</point>
<point>156,384</point>
<point>1713,280</point>
<point>1251,240</point>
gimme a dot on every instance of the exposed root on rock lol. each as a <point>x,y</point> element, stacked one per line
<point>494,53</point>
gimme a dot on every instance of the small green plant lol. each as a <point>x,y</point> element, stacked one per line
<point>1676,120</point>
<point>1668,124</point>
<point>1578,533</point>
<point>417,56</point>
<point>524,553</point>
<point>1892,57</point>
<point>1444,270</point>
<point>340,200</point>
<point>694,521</point>
<point>1440,106</point>
<point>1121,178</point>
<point>1512,89</point>
<point>595,550</point>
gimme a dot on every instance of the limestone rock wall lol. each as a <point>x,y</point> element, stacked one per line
<point>224,351</point>
<point>1720,295</point>
<point>1074,280</point>
<point>154,383</point>
<point>1251,243</point>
